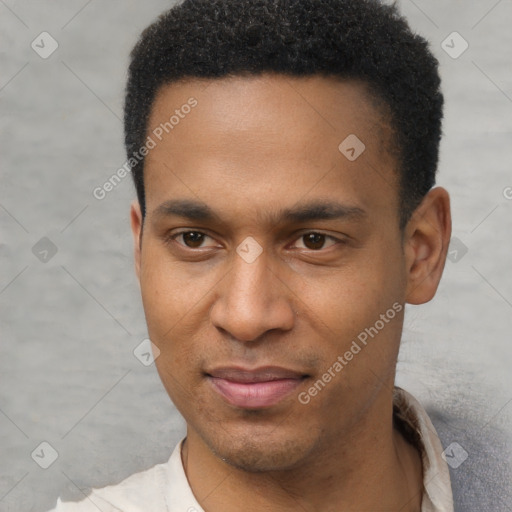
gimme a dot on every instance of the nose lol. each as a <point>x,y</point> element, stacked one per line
<point>252,300</point>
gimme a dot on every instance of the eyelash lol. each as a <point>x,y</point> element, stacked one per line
<point>172,238</point>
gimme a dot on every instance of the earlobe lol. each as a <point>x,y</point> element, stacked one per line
<point>136,225</point>
<point>426,245</point>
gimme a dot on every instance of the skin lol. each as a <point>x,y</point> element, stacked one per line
<point>252,147</point>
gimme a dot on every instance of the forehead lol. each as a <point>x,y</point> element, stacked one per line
<point>256,134</point>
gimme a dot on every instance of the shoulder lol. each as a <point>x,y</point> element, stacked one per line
<point>481,473</point>
<point>140,492</point>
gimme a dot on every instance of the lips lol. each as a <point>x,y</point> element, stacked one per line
<point>258,388</point>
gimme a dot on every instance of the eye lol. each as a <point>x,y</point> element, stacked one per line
<point>191,239</point>
<point>315,241</point>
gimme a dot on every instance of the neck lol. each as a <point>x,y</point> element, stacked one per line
<point>370,467</point>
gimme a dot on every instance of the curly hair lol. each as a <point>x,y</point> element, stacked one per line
<point>350,39</point>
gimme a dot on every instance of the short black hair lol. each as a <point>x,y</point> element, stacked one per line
<point>365,40</point>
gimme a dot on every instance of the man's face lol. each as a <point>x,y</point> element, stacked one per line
<point>251,150</point>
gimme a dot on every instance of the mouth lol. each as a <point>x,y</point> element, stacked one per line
<point>254,389</point>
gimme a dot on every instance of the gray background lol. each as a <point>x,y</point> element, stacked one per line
<point>70,322</point>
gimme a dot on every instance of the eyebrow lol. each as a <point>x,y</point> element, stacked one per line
<point>312,211</point>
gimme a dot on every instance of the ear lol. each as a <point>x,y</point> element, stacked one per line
<point>426,240</point>
<point>136,223</point>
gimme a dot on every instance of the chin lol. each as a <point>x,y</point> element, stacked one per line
<point>261,453</point>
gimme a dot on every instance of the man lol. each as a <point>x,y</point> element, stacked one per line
<point>284,155</point>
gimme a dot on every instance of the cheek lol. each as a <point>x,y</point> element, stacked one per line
<point>348,299</point>
<point>176,309</point>
<point>169,292</point>
<point>359,303</point>
<point>166,299</point>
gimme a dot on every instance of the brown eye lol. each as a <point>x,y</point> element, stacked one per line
<point>192,239</point>
<point>314,240</point>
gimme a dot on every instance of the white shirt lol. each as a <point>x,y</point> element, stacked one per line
<point>165,488</point>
